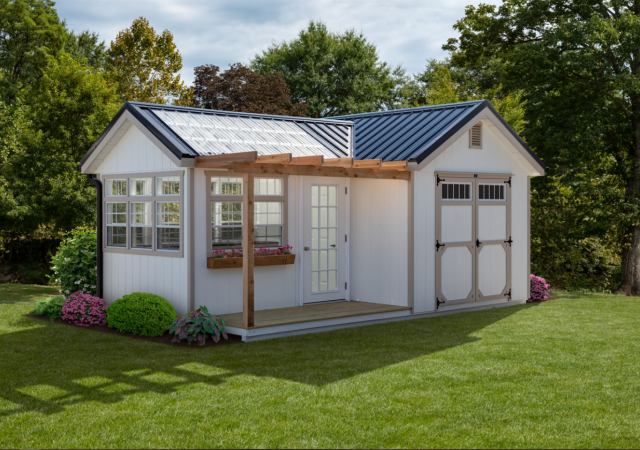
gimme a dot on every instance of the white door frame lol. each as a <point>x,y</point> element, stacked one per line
<point>304,210</point>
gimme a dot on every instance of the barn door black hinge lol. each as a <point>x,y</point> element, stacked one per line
<point>345,285</point>
<point>439,302</point>
<point>509,181</point>
<point>345,190</point>
<point>509,241</point>
<point>478,243</point>
<point>438,180</point>
<point>508,294</point>
<point>438,245</point>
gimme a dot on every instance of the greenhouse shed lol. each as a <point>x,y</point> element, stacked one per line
<point>390,215</point>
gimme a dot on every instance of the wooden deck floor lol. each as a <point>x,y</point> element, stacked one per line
<point>310,313</point>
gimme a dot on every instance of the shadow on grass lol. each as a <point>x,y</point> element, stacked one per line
<point>54,366</point>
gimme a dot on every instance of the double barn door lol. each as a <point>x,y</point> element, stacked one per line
<point>473,239</point>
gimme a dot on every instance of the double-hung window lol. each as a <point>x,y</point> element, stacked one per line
<point>143,213</point>
<point>225,198</point>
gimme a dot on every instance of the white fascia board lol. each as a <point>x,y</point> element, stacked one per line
<point>112,138</point>
<point>533,167</point>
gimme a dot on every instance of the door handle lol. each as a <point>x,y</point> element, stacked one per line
<point>306,249</point>
<point>332,245</point>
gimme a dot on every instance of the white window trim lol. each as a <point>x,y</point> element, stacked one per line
<point>153,199</point>
<point>210,198</point>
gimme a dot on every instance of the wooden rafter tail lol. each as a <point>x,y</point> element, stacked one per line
<point>338,162</point>
<point>317,160</point>
<point>394,165</point>
<point>280,158</point>
<point>215,161</point>
<point>367,164</point>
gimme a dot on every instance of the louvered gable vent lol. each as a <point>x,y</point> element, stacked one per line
<point>475,136</point>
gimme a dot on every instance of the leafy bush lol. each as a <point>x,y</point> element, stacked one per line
<point>74,264</point>
<point>84,310</point>
<point>197,325</point>
<point>539,289</point>
<point>51,308</point>
<point>142,314</point>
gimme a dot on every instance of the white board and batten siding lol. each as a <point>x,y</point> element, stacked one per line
<point>494,158</point>
<point>126,273</point>
<point>220,290</point>
<point>379,241</point>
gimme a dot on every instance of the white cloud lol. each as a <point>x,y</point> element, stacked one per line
<point>222,32</point>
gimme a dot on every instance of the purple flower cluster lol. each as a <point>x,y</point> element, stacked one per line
<point>539,289</point>
<point>84,310</point>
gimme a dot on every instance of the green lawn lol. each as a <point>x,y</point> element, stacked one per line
<point>564,373</point>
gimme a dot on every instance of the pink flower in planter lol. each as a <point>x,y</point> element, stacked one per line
<point>235,253</point>
<point>84,310</point>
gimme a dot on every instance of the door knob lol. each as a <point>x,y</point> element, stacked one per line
<point>306,249</point>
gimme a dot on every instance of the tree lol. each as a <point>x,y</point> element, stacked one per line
<point>332,73</point>
<point>86,46</point>
<point>577,65</point>
<point>70,107</point>
<point>145,64</point>
<point>240,89</point>
<point>30,34</point>
<point>440,87</point>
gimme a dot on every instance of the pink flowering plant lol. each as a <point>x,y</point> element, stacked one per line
<point>237,253</point>
<point>197,326</point>
<point>84,310</point>
<point>539,289</point>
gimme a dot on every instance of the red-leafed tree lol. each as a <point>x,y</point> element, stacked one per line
<point>242,90</point>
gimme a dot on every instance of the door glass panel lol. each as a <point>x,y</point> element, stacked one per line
<point>324,242</point>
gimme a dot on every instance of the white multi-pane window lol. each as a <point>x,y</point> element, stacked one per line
<point>116,215</point>
<point>115,188</point>
<point>324,239</point>
<point>146,216</point>
<point>227,214</point>
<point>141,186</point>
<point>168,186</point>
<point>168,225</point>
<point>141,225</point>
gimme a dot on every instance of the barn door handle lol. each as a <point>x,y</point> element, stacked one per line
<point>478,243</point>
<point>438,245</point>
<point>509,241</point>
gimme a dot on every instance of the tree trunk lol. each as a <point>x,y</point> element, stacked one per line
<point>630,284</point>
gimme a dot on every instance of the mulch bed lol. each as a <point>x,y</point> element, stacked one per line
<point>164,339</point>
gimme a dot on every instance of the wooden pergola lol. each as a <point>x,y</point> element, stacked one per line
<point>250,164</point>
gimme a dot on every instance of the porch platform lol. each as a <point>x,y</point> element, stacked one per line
<point>311,318</point>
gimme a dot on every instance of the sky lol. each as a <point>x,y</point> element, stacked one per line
<point>222,32</point>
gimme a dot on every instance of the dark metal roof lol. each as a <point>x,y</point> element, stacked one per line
<point>415,133</point>
<point>190,132</point>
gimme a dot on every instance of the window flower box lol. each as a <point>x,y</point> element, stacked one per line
<point>229,263</point>
<point>228,259</point>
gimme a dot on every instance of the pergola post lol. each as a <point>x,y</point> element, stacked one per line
<point>248,246</point>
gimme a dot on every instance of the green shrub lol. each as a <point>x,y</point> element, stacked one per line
<point>51,308</point>
<point>74,264</point>
<point>142,314</point>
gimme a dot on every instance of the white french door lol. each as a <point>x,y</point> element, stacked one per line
<point>324,231</point>
<point>473,239</point>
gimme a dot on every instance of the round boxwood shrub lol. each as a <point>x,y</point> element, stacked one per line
<point>142,314</point>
